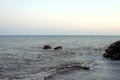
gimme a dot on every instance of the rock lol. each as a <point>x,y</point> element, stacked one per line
<point>47,47</point>
<point>71,67</point>
<point>64,68</point>
<point>113,51</point>
<point>58,47</point>
<point>86,68</point>
<point>49,77</point>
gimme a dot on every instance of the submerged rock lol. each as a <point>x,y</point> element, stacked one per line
<point>66,68</point>
<point>49,77</point>
<point>113,51</point>
<point>47,47</point>
<point>58,47</point>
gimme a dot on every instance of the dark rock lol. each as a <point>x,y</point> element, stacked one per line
<point>49,77</point>
<point>86,68</point>
<point>64,68</point>
<point>71,67</point>
<point>47,47</point>
<point>58,47</point>
<point>113,51</point>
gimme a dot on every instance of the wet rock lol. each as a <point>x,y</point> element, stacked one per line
<point>65,68</point>
<point>58,47</point>
<point>47,47</point>
<point>113,51</point>
<point>86,68</point>
<point>70,67</point>
<point>49,77</point>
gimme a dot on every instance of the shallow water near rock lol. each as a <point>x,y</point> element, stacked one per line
<point>22,58</point>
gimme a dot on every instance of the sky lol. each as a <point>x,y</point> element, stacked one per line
<point>59,17</point>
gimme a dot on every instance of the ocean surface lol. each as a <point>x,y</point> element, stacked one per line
<point>23,58</point>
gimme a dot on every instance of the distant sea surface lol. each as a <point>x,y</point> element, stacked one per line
<point>23,57</point>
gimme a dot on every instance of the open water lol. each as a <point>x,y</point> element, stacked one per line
<point>22,58</point>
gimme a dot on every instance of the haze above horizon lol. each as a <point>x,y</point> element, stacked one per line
<point>59,17</point>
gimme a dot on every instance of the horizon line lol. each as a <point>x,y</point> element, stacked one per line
<point>61,35</point>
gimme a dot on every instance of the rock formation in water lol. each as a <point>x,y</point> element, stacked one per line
<point>113,51</point>
<point>65,68</point>
<point>58,47</point>
<point>47,47</point>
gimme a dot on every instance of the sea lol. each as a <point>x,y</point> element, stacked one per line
<point>23,57</point>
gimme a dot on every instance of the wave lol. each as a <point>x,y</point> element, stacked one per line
<point>67,67</point>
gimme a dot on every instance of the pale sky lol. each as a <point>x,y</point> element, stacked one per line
<point>59,17</point>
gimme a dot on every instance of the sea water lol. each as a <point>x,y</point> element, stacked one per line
<point>23,57</point>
